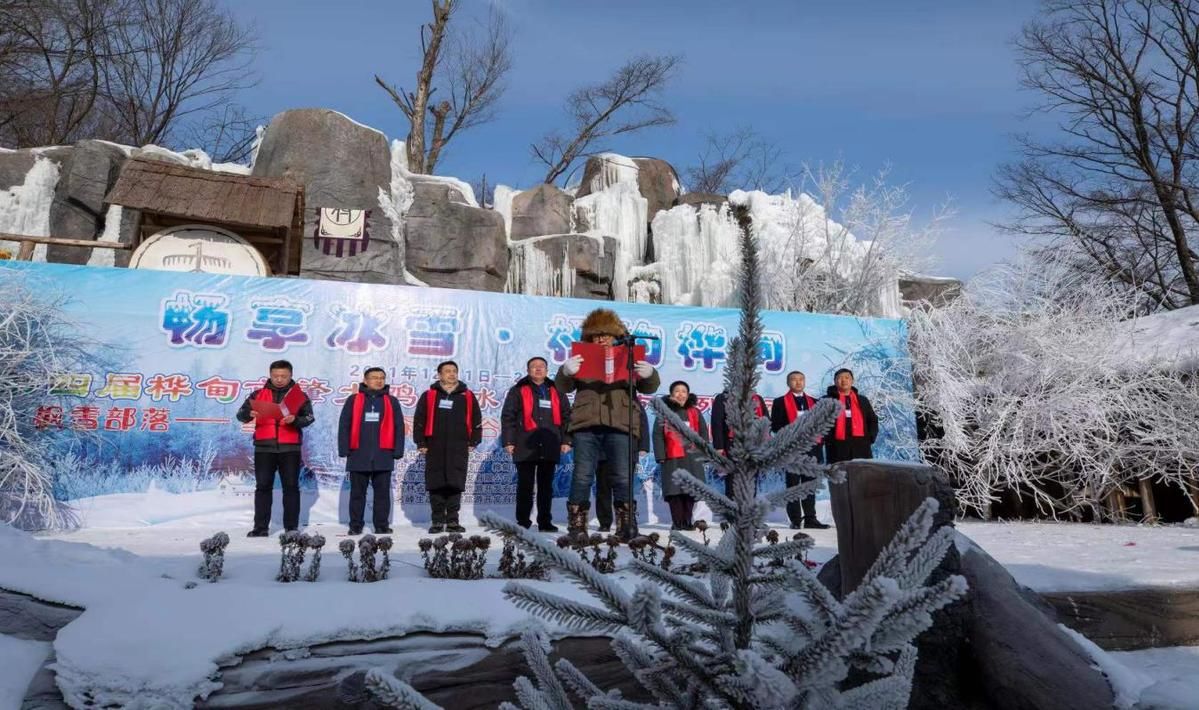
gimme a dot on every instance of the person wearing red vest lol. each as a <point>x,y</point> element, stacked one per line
<point>277,445</point>
<point>674,453</point>
<point>446,426</point>
<point>784,410</point>
<point>857,428</point>
<point>533,427</point>
<point>370,437</point>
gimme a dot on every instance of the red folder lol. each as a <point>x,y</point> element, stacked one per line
<point>265,409</point>
<point>603,364</point>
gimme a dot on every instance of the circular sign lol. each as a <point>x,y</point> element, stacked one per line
<point>201,249</point>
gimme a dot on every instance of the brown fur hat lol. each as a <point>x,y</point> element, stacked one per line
<point>602,321</point>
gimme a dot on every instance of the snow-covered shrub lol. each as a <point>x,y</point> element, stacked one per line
<point>315,543</point>
<point>294,546</point>
<point>514,564</point>
<point>214,556</point>
<point>646,548</point>
<point>367,568</point>
<point>1028,386</point>
<point>455,556</point>
<point>599,551</point>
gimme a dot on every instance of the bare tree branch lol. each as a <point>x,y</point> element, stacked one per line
<point>626,103</point>
<point>467,68</point>
<point>1117,191</point>
<point>227,136</point>
<point>741,159</point>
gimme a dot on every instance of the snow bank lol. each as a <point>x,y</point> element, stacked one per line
<point>1168,340</point>
<point>1172,671</point>
<point>22,659</point>
<point>25,208</point>
<point>1127,684</point>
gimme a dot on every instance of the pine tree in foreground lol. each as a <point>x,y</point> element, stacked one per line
<point>751,635</point>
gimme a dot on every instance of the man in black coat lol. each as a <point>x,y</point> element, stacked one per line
<point>278,441</point>
<point>533,424</point>
<point>446,426</point>
<point>722,433</point>
<point>370,437</point>
<point>785,410</point>
<point>856,428</point>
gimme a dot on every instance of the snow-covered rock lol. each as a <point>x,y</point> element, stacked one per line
<point>1168,340</point>
<point>25,207</point>
<point>566,265</point>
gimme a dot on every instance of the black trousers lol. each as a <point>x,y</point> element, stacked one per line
<point>603,494</point>
<point>287,464</point>
<point>542,474</point>
<point>380,484</point>
<point>799,511</point>
<point>445,503</point>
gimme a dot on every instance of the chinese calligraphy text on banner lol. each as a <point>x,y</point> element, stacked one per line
<point>181,351</point>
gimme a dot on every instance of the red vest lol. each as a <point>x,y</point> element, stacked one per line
<point>266,429</point>
<point>387,428</point>
<point>674,440</point>
<point>526,399</point>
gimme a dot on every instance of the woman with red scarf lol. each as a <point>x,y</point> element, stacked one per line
<point>856,428</point>
<point>674,453</point>
<point>370,437</point>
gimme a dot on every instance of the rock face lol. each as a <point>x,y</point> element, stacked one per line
<point>569,265</point>
<point>542,210</point>
<point>453,245</point>
<point>78,210</point>
<point>701,198</point>
<point>13,166</point>
<point>935,291</point>
<point>341,164</point>
<point>658,182</point>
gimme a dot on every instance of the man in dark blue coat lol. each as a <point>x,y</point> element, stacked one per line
<point>370,437</point>
<point>534,426</point>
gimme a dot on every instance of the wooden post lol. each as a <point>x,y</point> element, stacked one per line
<point>875,500</point>
<point>1117,504</point>
<point>25,252</point>
<point>1148,507</point>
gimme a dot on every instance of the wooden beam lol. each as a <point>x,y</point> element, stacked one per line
<point>25,252</point>
<point>26,239</point>
<point>1148,507</point>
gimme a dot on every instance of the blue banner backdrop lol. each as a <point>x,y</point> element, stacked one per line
<point>178,352</point>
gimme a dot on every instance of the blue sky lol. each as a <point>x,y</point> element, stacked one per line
<point>929,88</point>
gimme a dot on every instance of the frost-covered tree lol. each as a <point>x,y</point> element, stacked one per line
<point>840,247</point>
<point>751,635</point>
<point>1029,386</point>
<point>38,346</point>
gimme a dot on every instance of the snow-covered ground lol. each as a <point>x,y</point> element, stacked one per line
<point>1072,557</point>
<point>132,567</point>
<point>22,659</point>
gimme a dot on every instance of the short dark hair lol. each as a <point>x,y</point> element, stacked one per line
<point>443,363</point>
<point>536,357</point>
<point>369,370</point>
<point>678,382</point>
<point>281,365</point>
<point>844,369</point>
<point>796,372</point>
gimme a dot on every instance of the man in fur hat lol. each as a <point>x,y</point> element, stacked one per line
<point>602,422</point>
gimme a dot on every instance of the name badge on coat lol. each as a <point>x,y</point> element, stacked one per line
<point>371,416</point>
<point>445,404</point>
<point>545,404</point>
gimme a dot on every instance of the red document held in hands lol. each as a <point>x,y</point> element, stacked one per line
<point>605,365</point>
<point>265,409</point>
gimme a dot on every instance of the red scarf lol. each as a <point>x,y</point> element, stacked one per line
<point>858,426</point>
<point>793,411</point>
<point>266,429</point>
<point>387,429</point>
<point>526,398</point>
<point>431,412</point>
<point>759,410</point>
<point>674,440</point>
